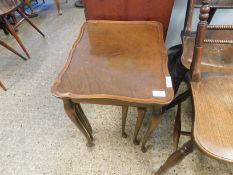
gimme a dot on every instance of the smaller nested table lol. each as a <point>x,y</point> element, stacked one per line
<point>115,63</point>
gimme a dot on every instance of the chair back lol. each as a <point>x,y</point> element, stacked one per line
<point>130,10</point>
<point>214,4</point>
<point>201,39</point>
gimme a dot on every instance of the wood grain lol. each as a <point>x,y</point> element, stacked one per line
<point>213,101</point>
<point>116,61</point>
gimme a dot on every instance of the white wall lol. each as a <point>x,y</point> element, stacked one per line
<point>178,16</point>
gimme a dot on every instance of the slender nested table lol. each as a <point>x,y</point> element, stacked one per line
<point>116,63</point>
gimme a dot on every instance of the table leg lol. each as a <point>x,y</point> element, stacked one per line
<point>176,158</point>
<point>84,119</point>
<point>156,117</point>
<point>77,119</point>
<point>141,116</point>
<point>124,117</point>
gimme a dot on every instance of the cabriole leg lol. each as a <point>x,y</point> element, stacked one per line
<point>156,117</point>
<point>124,117</point>
<point>141,116</point>
<point>76,118</point>
<point>84,119</point>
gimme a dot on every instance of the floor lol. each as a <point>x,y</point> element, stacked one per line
<point>36,137</point>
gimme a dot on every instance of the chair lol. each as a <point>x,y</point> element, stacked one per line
<point>9,6</point>
<point>212,97</point>
<point>210,61</point>
<point>118,59</point>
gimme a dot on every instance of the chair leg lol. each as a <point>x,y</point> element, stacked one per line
<point>176,158</point>
<point>124,117</point>
<point>141,116</point>
<point>153,124</point>
<point>2,86</point>
<point>29,21</point>
<point>177,128</point>
<point>12,31</point>
<point>12,50</point>
<point>58,5</point>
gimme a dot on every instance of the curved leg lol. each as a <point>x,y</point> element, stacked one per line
<point>11,49</point>
<point>58,5</point>
<point>75,117</point>
<point>29,21</point>
<point>153,124</point>
<point>84,119</point>
<point>141,116</point>
<point>2,85</point>
<point>12,31</point>
<point>177,128</point>
<point>176,158</point>
<point>124,117</point>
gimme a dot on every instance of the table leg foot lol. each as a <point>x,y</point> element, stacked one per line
<point>124,135</point>
<point>144,149</point>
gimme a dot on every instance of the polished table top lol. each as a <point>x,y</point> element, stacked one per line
<point>120,61</point>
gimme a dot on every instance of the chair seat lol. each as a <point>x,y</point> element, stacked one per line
<point>7,6</point>
<point>118,61</point>
<point>217,3</point>
<point>216,57</point>
<point>213,131</point>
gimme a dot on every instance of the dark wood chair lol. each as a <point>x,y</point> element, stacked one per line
<point>9,6</point>
<point>212,97</point>
<point>119,59</point>
<point>215,59</point>
<point>210,61</point>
